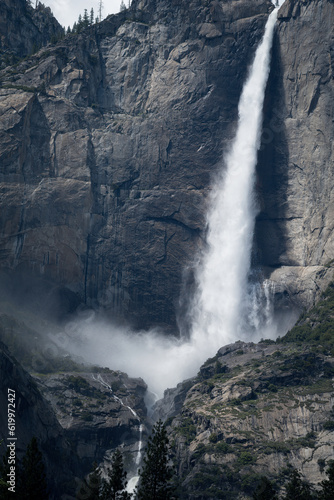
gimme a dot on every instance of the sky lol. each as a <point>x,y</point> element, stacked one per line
<point>67,11</point>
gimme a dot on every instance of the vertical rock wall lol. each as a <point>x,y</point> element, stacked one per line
<point>295,226</point>
<point>108,145</point>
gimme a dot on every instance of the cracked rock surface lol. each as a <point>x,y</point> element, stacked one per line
<point>109,141</point>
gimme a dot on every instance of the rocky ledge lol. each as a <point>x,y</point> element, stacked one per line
<point>253,410</point>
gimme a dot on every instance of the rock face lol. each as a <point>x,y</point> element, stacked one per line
<point>99,412</point>
<point>253,410</point>
<point>295,225</point>
<point>108,143</point>
<point>109,140</point>
<point>92,410</point>
<point>24,29</point>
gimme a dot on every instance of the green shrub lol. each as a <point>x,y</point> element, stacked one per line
<point>246,458</point>
<point>213,438</point>
<point>329,425</point>
<point>223,447</point>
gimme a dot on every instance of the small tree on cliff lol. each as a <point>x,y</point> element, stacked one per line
<point>327,491</point>
<point>154,478</point>
<point>297,489</point>
<point>114,487</point>
<point>265,490</point>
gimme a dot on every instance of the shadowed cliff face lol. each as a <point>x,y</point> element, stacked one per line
<point>34,418</point>
<point>108,144</point>
<point>295,227</point>
<point>24,29</point>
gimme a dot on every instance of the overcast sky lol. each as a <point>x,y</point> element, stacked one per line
<point>67,11</point>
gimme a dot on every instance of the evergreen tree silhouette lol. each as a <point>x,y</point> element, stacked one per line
<point>297,489</point>
<point>33,479</point>
<point>114,487</point>
<point>93,484</point>
<point>154,478</point>
<point>327,491</point>
<point>265,490</point>
<point>85,20</point>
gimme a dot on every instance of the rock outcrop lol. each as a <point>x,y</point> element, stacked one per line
<point>108,144</point>
<point>92,410</point>
<point>23,29</point>
<point>253,410</point>
<point>99,411</point>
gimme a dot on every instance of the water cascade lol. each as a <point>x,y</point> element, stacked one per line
<point>225,308</point>
<point>221,301</point>
<point>133,480</point>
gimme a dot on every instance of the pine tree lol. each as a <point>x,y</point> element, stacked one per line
<point>114,487</point>
<point>90,488</point>
<point>91,18</point>
<point>265,490</point>
<point>34,483</point>
<point>122,6</point>
<point>79,24</point>
<point>327,491</point>
<point>154,478</point>
<point>297,489</point>
<point>85,21</point>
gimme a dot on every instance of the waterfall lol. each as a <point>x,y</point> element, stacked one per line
<point>140,445</point>
<point>224,308</point>
<point>219,306</point>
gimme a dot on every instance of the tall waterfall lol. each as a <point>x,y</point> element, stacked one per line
<point>220,303</point>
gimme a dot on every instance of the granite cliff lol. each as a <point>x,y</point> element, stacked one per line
<point>23,29</point>
<point>109,140</point>
<point>295,226</point>
<point>79,413</point>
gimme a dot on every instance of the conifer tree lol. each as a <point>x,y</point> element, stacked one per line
<point>91,487</point>
<point>154,478</point>
<point>33,478</point>
<point>115,487</point>
<point>327,491</point>
<point>85,20</point>
<point>122,6</point>
<point>91,18</point>
<point>79,24</point>
<point>265,490</point>
<point>297,489</point>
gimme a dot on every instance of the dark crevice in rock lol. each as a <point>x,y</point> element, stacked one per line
<point>170,220</point>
